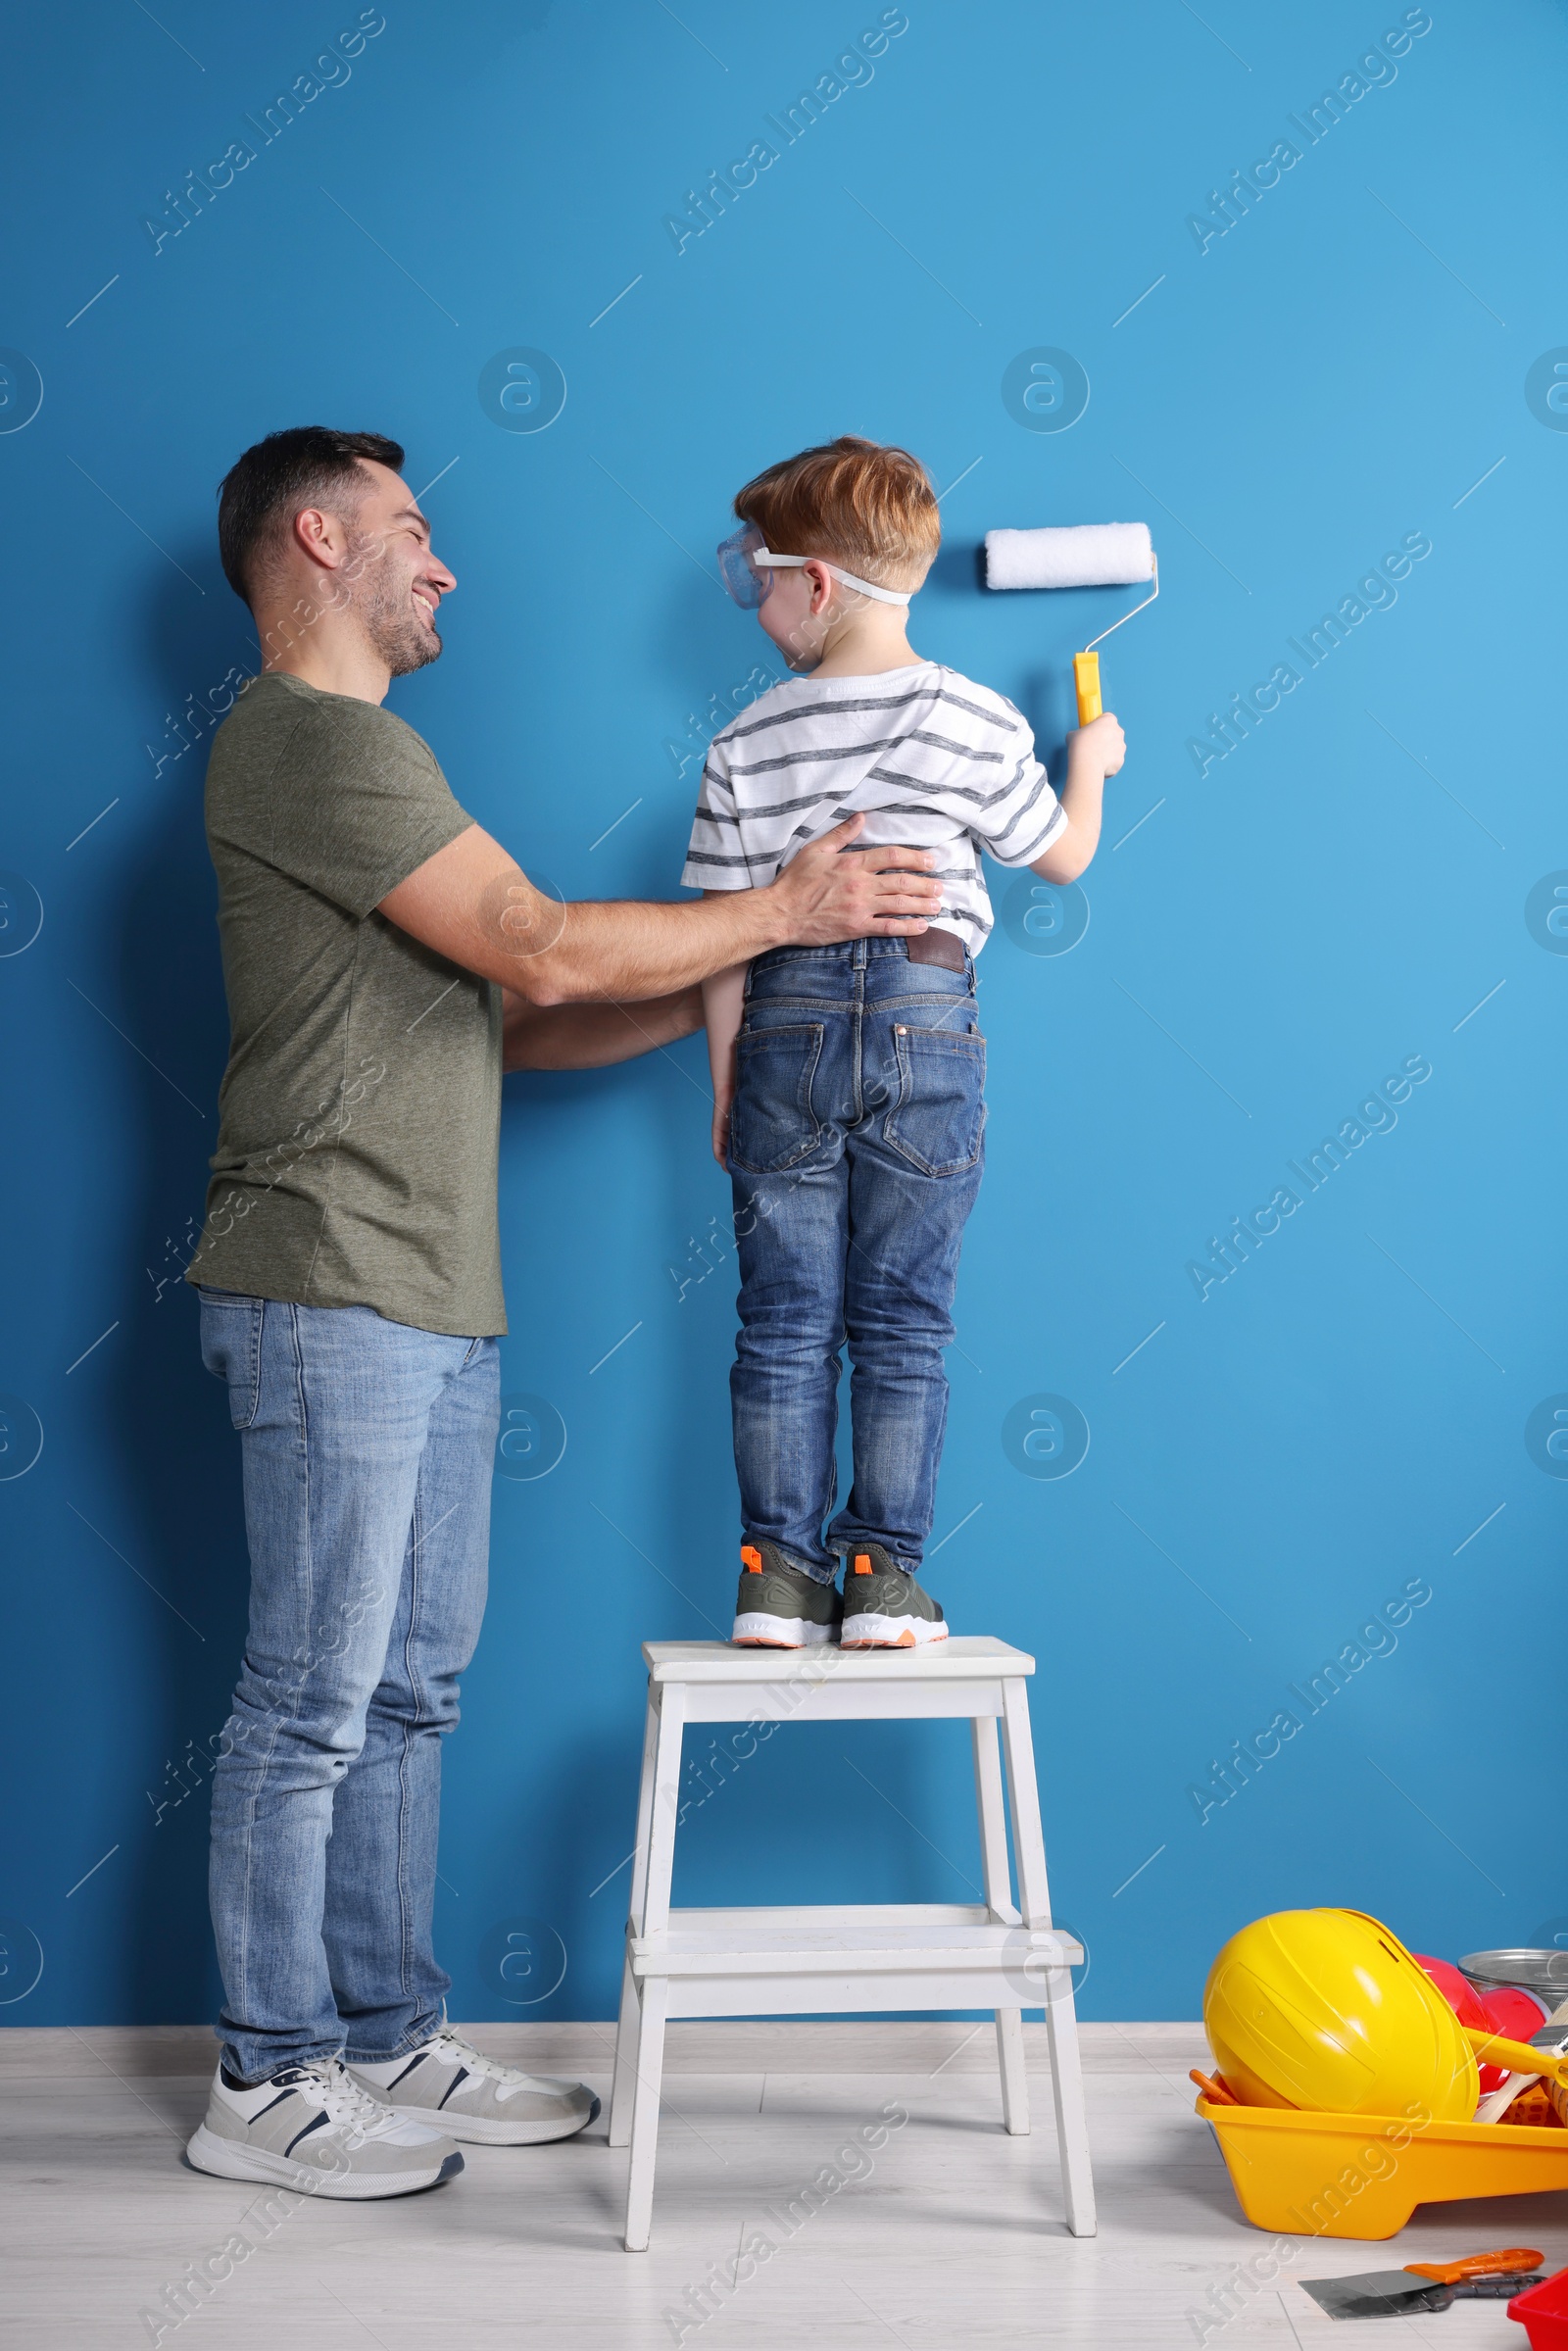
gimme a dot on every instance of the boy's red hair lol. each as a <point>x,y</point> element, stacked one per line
<point>866,506</point>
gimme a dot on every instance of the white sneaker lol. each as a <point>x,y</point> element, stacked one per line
<point>475,2097</point>
<point>315,2128</point>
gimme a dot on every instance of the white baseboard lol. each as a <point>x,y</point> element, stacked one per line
<point>143,2052</point>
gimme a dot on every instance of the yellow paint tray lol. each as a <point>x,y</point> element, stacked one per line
<point>1305,2174</point>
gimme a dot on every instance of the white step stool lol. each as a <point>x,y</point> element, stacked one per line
<point>828,1959</point>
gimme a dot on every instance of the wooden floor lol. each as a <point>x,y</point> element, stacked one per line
<point>955,2239</point>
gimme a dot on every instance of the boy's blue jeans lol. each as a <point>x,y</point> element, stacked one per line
<point>857,1141</point>
<point>368,1452</point>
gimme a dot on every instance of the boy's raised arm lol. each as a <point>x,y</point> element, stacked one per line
<point>473,904</point>
<point>1094,752</point>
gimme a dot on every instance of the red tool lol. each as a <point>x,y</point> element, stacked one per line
<point>1543,2313</point>
<point>1508,2010</point>
<point>1458,1990</point>
<point>1514,2012</point>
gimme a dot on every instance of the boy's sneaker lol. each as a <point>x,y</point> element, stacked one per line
<point>884,1607</point>
<point>779,1606</point>
<point>311,2128</point>
<point>476,2097</point>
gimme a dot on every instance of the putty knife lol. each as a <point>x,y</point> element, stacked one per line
<point>1428,2285</point>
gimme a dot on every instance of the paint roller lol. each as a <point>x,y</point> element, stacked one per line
<point>1080,555</point>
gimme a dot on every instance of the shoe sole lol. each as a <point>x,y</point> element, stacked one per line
<point>228,2159</point>
<point>890,1633</point>
<point>756,1631</point>
<point>474,2130</point>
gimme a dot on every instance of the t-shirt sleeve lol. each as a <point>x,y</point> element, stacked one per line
<point>356,803</point>
<point>714,858</point>
<point>1024,816</point>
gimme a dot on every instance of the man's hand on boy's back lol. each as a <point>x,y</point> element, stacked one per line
<point>823,896</point>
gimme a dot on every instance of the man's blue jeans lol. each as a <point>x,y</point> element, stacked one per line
<point>857,1141</point>
<point>367,1451</point>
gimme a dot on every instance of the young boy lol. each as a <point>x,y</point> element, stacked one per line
<point>848,1081</point>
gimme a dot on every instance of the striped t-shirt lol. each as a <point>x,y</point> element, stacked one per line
<point>934,761</point>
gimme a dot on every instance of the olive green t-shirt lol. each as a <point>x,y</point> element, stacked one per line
<point>360,1113</point>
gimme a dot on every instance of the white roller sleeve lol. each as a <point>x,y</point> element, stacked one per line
<point>1080,555</point>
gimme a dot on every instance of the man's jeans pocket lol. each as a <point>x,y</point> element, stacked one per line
<point>772,1124</point>
<point>939,1119</point>
<point>231,1348</point>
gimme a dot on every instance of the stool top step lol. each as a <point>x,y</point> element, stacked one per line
<point>963,1657</point>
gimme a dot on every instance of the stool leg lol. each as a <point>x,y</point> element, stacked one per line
<point>628,2037</point>
<point>645,2114</point>
<point>1015,2077</point>
<point>663,1807</point>
<point>999,1896</point>
<point>652,1915</point>
<point>630,2026</point>
<point>1067,2087</point>
<point>1062,2021</point>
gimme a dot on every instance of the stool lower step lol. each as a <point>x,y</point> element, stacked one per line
<point>696,1940</point>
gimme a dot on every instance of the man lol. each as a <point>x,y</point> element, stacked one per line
<point>384,961</point>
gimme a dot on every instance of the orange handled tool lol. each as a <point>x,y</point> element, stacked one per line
<point>1428,2285</point>
<point>1513,2260</point>
<point>1214,2087</point>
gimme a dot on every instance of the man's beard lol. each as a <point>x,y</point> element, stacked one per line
<point>384,603</point>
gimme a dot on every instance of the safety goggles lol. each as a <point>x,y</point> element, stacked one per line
<point>745,566</point>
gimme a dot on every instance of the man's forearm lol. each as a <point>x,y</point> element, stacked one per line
<point>472,904</point>
<point>630,948</point>
<point>592,1036</point>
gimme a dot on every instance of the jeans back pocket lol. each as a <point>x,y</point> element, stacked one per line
<point>772,1124</point>
<point>231,1348</point>
<point>939,1119</point>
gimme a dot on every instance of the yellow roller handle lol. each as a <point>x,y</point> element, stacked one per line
<point>1493,2049</point>
<point>1086,677</point>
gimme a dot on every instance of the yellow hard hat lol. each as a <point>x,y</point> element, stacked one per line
<point>1327,2010</point>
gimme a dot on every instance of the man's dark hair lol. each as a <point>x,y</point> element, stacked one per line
<point>309,464</point>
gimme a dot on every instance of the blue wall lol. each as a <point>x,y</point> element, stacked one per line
<point>1274,931</point>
